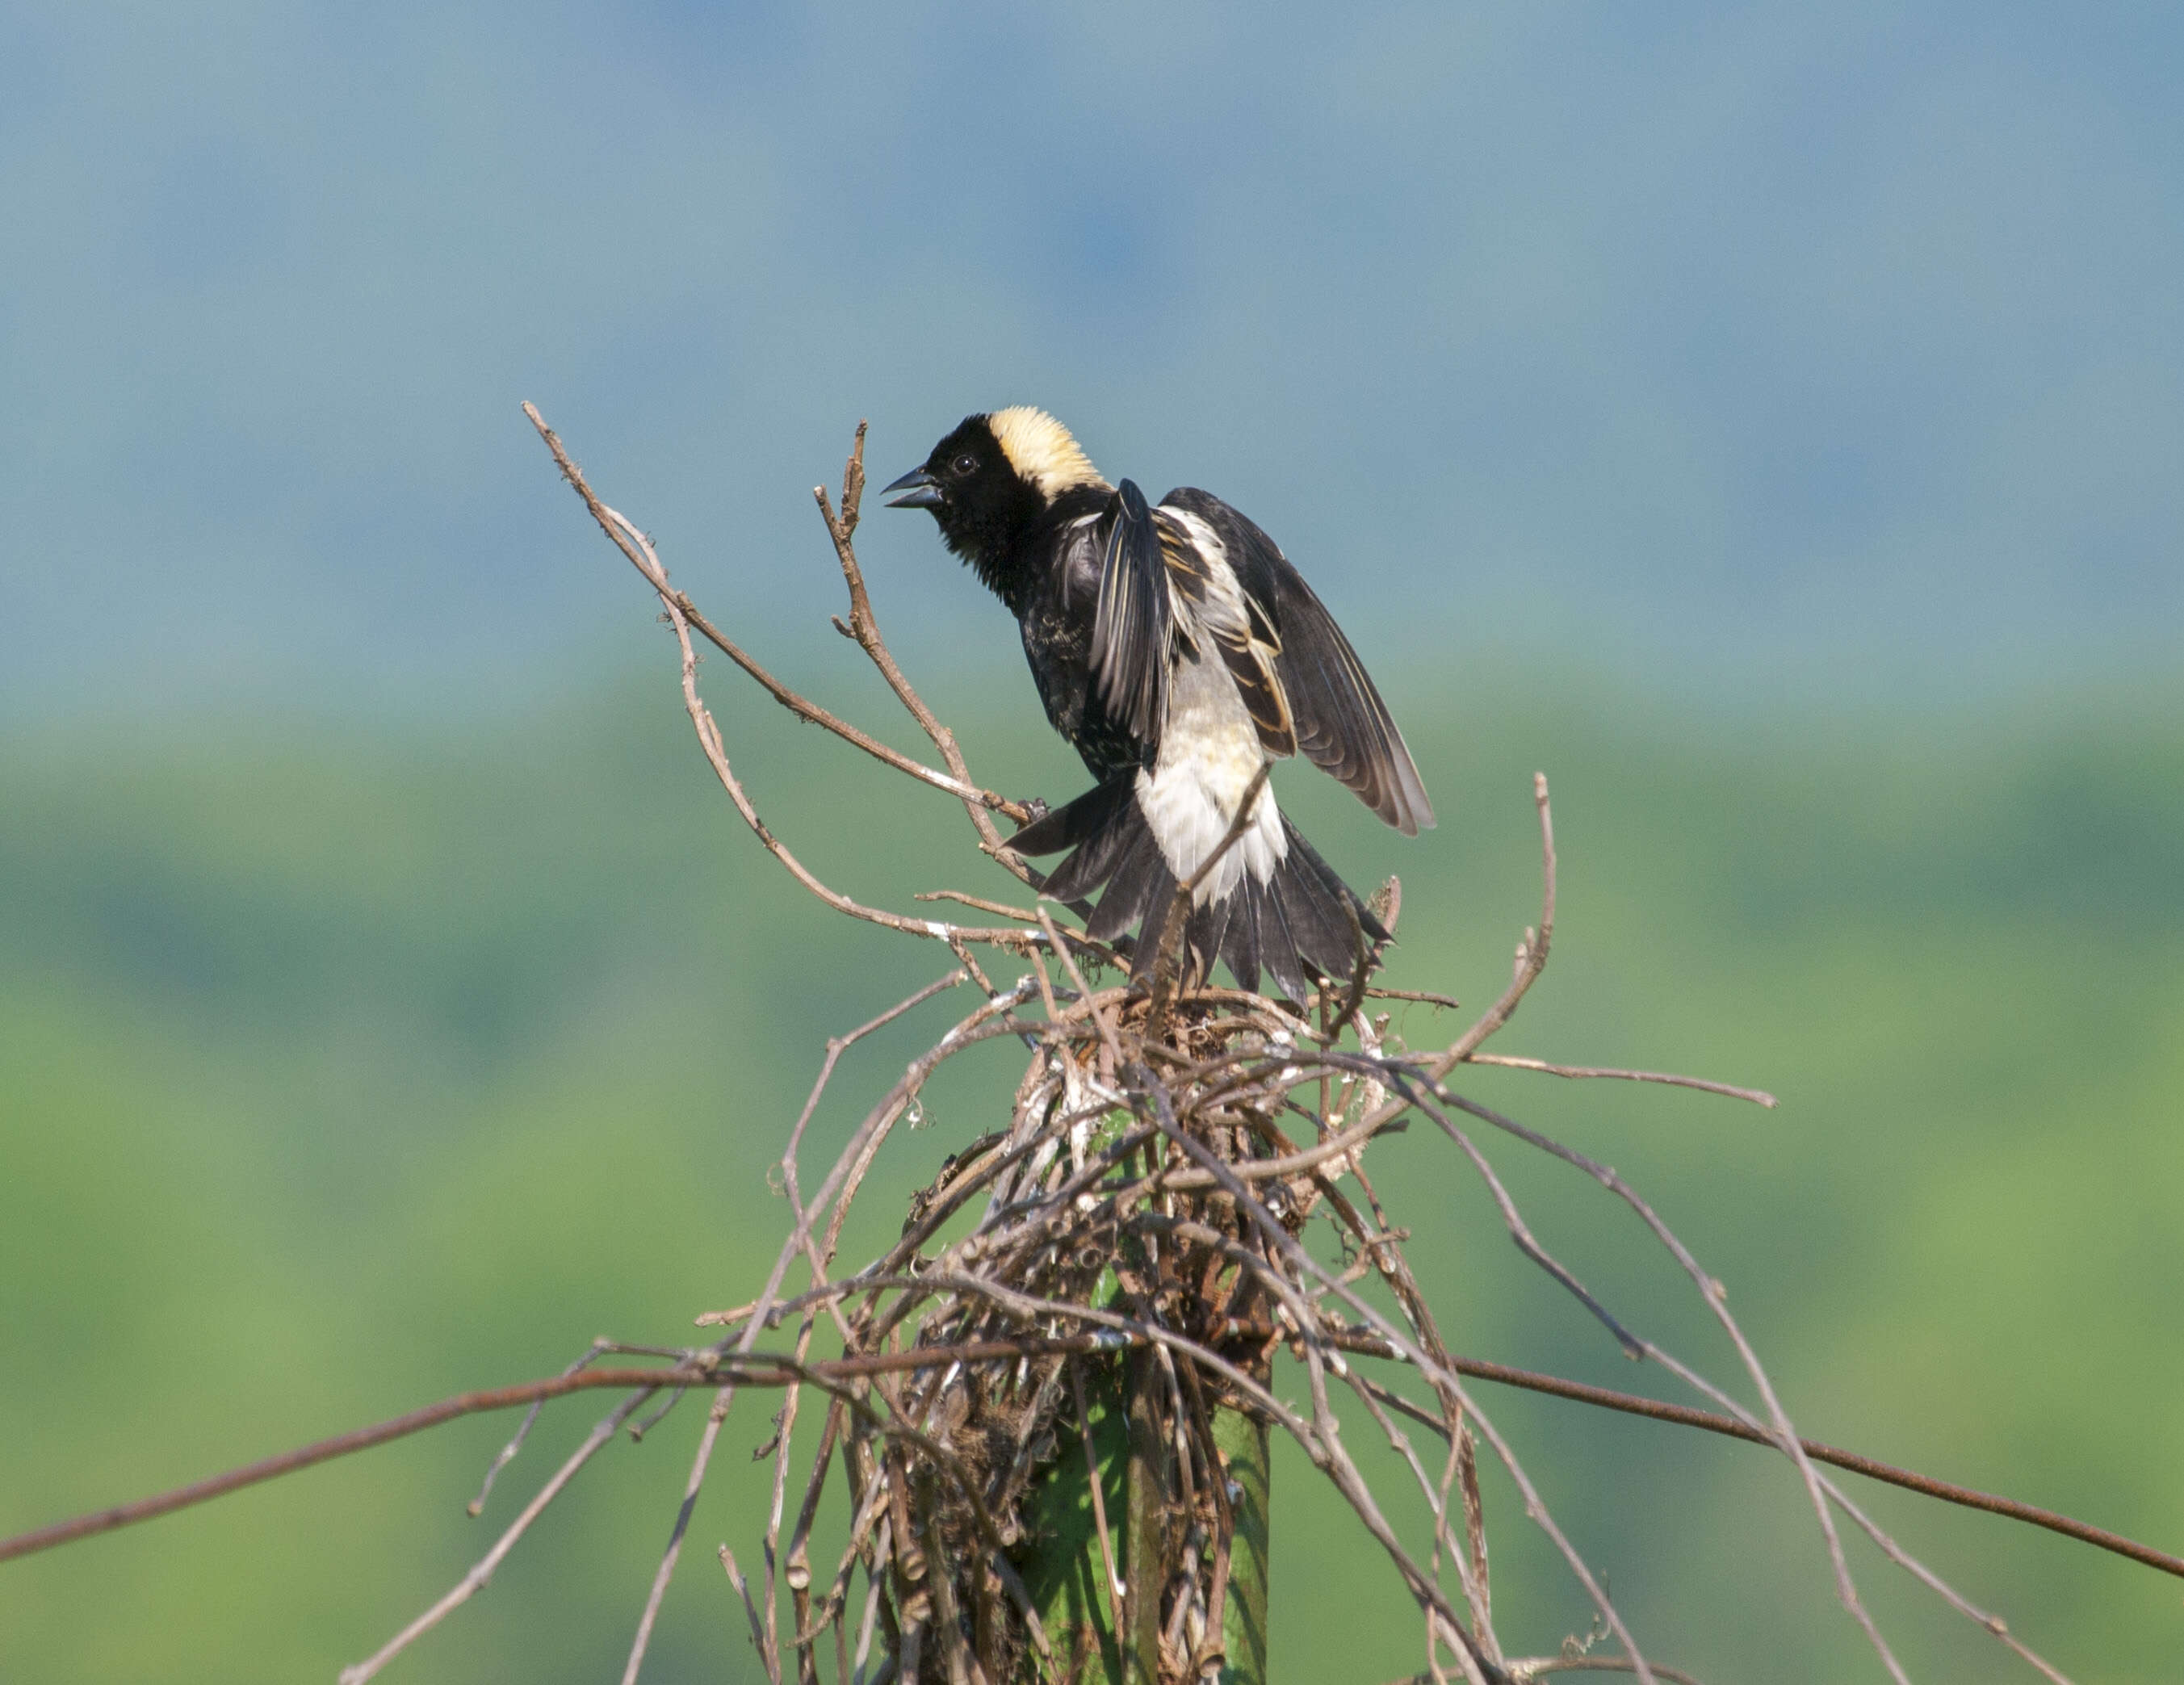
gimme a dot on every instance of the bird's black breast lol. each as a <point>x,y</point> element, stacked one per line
<point>1055,618</point>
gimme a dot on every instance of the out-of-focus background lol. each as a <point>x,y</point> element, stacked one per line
<point>1765,419</point>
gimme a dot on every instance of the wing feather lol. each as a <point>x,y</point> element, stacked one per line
<point>1133,623</point>
<point>1214,602</point>
<point>1338,720</point>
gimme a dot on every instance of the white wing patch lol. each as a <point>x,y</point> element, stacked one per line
<point>1040,448</point>
<point>1207,597</point>
<point>1222,610</point>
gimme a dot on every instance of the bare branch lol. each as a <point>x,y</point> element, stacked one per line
<point>1758,1097</point>
<point>472,1582</point>
<point>637,548</point>
<point>751,1609</point>
<point>864,627</point>
<point>1024,914</point>
<point>1431,999</point>
<point>1531,952</point>
<point>714,1418</point>
<point>1710,1289</point>
<point>509,1451</point>
<point>763,1374</point>
<point>803,708</point>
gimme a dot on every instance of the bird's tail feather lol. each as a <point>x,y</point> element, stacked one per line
<point>1295,926</point>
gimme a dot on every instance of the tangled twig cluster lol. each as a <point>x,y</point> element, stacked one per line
<point>1143,1213</point>
<point>1052,1401</point>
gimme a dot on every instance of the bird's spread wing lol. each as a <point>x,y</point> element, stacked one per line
<point>1334,714</point>
<point>1135,622</point>
<point>1212,600</point>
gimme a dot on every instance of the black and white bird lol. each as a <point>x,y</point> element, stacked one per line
<point>1176,648</point>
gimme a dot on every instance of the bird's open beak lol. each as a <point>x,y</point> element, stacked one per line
<point>919,489</point>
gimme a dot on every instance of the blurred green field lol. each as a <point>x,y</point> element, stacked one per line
<point>341,1071</point>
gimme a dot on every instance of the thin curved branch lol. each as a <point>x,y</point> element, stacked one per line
<point>1784,1436</point>
<point>979,902</point>
<point>714,1417</point>
<point>762,1373</point>
<point>864,627</point>
<point>633,544</point>
<point>1531,952</point>
<point>802,708</point>
<point>1684,1415</point>
<point>1758,1097</point>
<point>474,1581</point>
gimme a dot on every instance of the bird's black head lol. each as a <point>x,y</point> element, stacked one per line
<point>992,482</point>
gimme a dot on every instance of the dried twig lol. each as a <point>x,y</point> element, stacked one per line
<point>864,627</point>
<point>1531,952</point>
<point>666,1571</point>
<point>638,548</point>
<point>957,785</point>
<point>1758,1097</point>
<point>764,1374</point>
<point>474,1581</point>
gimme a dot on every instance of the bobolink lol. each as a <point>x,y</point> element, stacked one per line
<point>1178,650</point>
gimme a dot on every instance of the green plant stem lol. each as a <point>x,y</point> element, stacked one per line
<point>1244,1446</point>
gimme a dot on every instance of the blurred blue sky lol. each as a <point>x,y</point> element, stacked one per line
<point>1832,350</point>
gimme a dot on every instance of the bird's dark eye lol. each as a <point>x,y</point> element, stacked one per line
<point>964,466</point>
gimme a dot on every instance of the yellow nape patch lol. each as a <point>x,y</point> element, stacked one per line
<point>1039,447</point>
